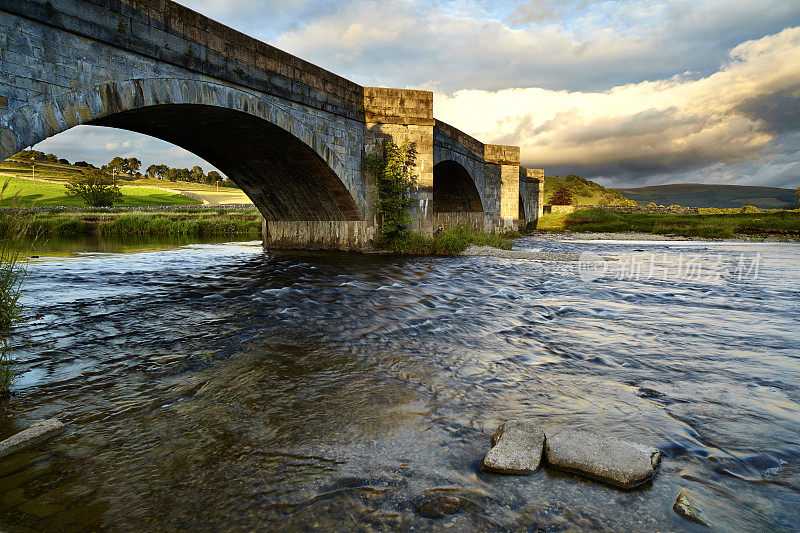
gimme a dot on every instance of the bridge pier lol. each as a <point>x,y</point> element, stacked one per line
<point>531,183</point>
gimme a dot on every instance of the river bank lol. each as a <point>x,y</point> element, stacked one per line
<point>196,221</point>
<point>775,225</point>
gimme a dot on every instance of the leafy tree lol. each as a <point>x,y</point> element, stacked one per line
<point>63,161</point>
<point>116,165</point>
<point>157,171</point>
<point>561,196</point>
<point>132,165</point>
<point>393,170</point>
<point>197,174</point>
<point>82,164</point>
<point>94,187</point>
<point>51,158</point>
<point>213,177</point>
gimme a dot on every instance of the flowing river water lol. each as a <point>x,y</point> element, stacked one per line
<point>218,387</point>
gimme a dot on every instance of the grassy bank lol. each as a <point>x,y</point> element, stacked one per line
<point>448,243</point>
<point>25,193</point>
<point>89,222</point>
<point>713,226</point>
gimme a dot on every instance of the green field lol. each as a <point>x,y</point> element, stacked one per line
<point>777,223</point>
<point>26,193</point>
<point>584,191</point>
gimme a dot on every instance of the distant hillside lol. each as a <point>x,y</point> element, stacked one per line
<point>721,196</point>
<point>584,191</point>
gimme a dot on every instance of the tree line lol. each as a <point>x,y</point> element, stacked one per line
<point>131,166</point>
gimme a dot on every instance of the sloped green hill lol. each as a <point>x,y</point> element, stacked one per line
<point>705,195</point>
<point>584,191</point>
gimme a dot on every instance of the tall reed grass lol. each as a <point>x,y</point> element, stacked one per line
<point>12,275</point>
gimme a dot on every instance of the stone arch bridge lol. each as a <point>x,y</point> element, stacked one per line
<point>292,135</point>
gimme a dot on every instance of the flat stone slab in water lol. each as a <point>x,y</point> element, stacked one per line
<point>616,461</point>
<point>34,434</point>
<point>516,449</point>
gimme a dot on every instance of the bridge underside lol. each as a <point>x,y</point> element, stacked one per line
<point>285,178</point>
<point>454,190</point>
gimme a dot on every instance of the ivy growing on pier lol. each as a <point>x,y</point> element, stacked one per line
<point>393,169</point>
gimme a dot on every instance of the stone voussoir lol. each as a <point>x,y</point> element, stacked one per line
<point>619,462</point>
<point>516,449</point>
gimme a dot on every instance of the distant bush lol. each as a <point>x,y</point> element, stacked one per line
<point>710,211</point>
<point>674,206</point>
<point>749,209</point>
<point>561,196</point>
<point>652,204</point>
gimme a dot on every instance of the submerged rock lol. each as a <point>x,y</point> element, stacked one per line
<point>516,449</point>
<point>620,462</point>
<point>435,506</point>
<point>687,506</point>
<point>36,433</point>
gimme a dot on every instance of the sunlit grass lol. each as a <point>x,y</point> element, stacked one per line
<point>189,222</point>
<point>786,223</point>
<point>45,194</point>
<point>448,243</point>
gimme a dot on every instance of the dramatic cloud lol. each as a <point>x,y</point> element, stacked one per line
<point>572,45</point>
<point>654,128</point>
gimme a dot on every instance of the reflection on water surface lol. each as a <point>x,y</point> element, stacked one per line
<point>212,386</point>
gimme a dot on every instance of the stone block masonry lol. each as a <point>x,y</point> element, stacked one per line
<point>292,135</point>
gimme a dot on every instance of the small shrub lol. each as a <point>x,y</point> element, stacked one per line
<point>749,209</point>
<point>94,187</point>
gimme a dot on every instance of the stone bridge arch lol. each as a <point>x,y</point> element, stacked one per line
<point>454,189</point>
<point>289,170</point>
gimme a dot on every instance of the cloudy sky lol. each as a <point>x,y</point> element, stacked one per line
<point>628,92</point>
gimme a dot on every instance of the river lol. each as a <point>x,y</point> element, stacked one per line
<point>212,386</point>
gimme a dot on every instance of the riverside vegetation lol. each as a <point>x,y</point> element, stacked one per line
<point>710,223</point>
<point>12,274</point>
<point>184,221</point>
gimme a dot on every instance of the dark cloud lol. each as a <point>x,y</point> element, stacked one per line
<point>780,112</point>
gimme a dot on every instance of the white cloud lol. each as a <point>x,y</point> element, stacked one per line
<point>653,126</point>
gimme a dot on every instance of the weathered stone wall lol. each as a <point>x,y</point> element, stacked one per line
<point>680,210</point>
<point>531,189</point>
<point>404,115</point>
<point>445,220</point>
<point>504,164</point>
